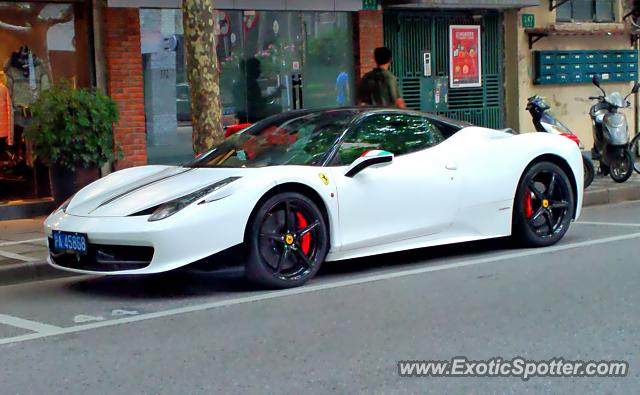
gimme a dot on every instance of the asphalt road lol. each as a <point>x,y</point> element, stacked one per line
<point>194,333</point>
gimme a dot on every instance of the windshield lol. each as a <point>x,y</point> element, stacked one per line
<point>549,118</point>
<point>286,139</point>
<point>540,102</point>
<point>615,99</point>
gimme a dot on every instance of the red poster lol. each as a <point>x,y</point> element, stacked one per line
<point>465,68</point>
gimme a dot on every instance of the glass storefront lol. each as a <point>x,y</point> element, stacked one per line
<point>41,44</point>
<point>270,61</point>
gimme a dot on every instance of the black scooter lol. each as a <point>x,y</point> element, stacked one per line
<point>545,122</point>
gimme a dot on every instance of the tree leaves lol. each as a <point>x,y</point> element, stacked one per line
<point>73,127</point>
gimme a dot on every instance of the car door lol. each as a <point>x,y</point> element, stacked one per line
<point>413,196</point>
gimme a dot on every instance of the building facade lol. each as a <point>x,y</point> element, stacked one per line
<point>286,54</point>
<point>556,54</point>
<point>477,61</point>
<point>292,53</point>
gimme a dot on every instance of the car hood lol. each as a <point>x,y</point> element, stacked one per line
<point>132,190</point>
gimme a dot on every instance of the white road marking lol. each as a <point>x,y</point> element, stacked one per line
<point>10,243</point>
<point>39,327</point>
<point>82,318</point>
<point>606,223</point>
<point>319,287</point>
<point>121,312</point>
<point>19,257</point>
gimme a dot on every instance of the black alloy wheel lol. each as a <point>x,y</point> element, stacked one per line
<point>544,205</point>
<point>287,240</point>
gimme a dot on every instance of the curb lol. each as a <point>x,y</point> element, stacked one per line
<point>30,271</point>
<point>615,194</point>
<point>26,210</point>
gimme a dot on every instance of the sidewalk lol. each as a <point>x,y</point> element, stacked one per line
<point>23,251</point>
<point>604,190</point>
<point>23,248</point>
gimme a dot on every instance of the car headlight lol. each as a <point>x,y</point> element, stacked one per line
<point>63,206</point>
<point>169,208</point>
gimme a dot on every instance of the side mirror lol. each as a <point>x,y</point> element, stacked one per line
<point>636,87</point>
<point>370,158</point>
<point>596,82</point>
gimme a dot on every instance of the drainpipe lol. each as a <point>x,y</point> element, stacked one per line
<point>99,60</point>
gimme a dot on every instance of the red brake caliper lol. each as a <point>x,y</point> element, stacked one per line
<point>528,207</point>
<point>305,242</point>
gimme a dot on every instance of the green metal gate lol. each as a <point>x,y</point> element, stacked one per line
<point>411,34</point>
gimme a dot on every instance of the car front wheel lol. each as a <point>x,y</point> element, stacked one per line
<point>287,241</point>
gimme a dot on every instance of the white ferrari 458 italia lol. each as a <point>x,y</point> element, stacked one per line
<point>300,188</point>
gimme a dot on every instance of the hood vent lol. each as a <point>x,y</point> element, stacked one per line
<point>138,187</point>
<point>147,211</point>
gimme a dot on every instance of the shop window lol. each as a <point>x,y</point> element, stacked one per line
<point>586,11</point>
<point>261,54</point>
<point>40,44</point>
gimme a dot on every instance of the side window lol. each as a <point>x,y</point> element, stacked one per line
<point>397,133</point>
<point>586,11</point>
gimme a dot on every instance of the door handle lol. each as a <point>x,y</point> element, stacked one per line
<point>451,166</point>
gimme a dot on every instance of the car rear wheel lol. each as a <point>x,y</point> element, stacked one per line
<point>287,241</point>
<point>544,205</point>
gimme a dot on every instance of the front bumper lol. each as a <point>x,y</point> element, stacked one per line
<point>103,258</point>
<point>133,245</point>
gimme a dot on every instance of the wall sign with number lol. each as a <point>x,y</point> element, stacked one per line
<point>369,4</point>
<point>528,21</point>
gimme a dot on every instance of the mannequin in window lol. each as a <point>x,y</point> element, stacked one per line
<point>6,112</point>
<point>26,78</point>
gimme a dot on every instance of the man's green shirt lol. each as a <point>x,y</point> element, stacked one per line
<point>379,88</point>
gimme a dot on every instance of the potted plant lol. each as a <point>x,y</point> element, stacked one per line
<point>72,133</point>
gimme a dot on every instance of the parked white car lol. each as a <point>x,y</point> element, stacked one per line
<point>301,188</point>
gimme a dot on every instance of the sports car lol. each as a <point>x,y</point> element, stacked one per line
<point>300,188</point>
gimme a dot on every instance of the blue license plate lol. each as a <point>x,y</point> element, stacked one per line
<point>68,241</point>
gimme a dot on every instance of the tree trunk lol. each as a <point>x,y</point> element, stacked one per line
<point>202,73</point>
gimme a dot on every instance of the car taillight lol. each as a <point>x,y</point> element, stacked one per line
<point>572,137</point>
<point>233,129</point>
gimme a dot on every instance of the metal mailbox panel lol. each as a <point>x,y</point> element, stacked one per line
<point>560,67</point>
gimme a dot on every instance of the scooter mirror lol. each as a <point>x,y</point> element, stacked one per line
<point>596,80</point>
<point>636,87</point>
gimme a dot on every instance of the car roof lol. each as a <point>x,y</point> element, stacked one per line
<point>367,110</point>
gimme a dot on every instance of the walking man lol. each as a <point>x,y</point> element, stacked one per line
<point>379,86</point>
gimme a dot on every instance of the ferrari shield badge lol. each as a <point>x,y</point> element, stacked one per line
<point>324,178</point>
<point>288,239</point>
